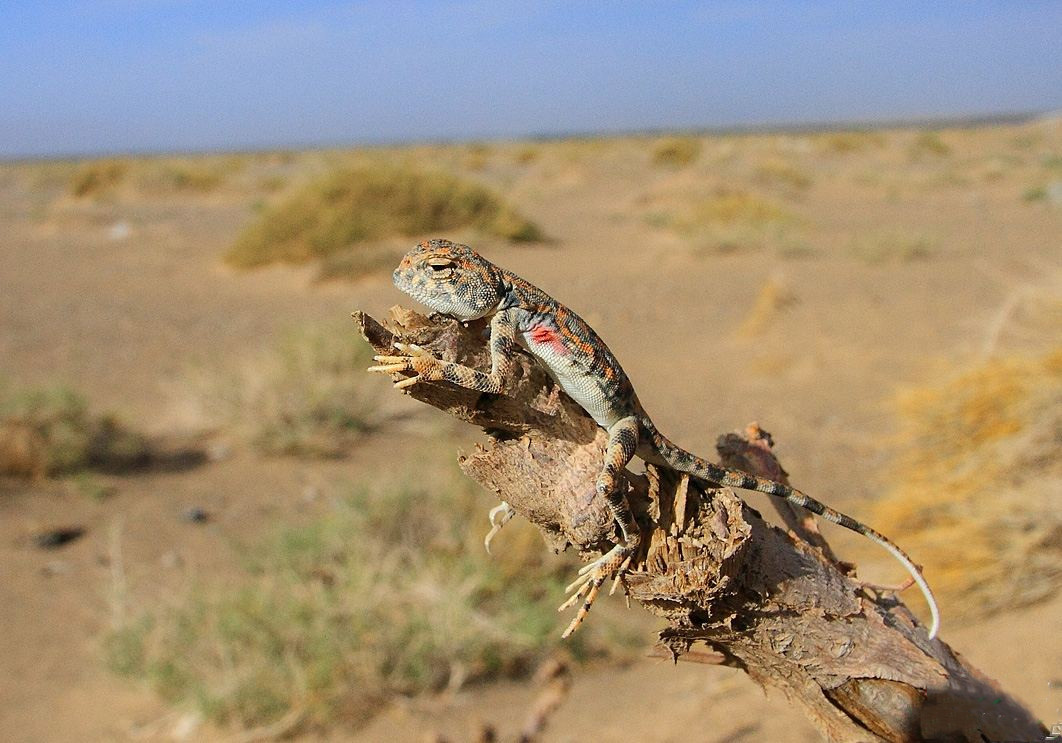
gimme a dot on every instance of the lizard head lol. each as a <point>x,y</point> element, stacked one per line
<point>451,279</point>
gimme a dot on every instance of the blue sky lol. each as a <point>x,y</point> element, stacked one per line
<point>147,75</point>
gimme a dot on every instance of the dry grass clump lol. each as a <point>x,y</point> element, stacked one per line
<point>929,143</point>
<point>979,476</point>
<point>49,431</point>
<point>892,247</point>
<point>677,152</point>
<point>729,221</point>
<point>388,594</point>
<point>97,177</point>
<point>855,141</point>
<point>527,155</point>
<point>779,173</point>
<point>309,396</point>
<point>188,175</point>
<point>359,261</point>
<point>732,206</point>
<point>359,204</point>
<point>775,297</point>
<point>149,176</point>
<point>477,155</point>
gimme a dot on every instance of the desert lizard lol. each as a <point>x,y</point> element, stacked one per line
<point>456,281</point>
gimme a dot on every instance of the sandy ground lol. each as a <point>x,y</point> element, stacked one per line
<point>126,314</point>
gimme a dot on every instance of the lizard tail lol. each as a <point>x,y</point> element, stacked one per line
<point>683,461</point>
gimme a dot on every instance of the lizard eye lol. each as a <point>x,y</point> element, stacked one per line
<point>441,269</point>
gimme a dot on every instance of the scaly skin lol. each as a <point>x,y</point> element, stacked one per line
<point>456,281</point>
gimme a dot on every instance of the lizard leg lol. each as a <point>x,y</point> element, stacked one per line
<point>499,516</point>
<point>423,367</point>
<point>622,443</point>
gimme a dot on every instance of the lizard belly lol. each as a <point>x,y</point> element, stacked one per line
<point>567,371</point>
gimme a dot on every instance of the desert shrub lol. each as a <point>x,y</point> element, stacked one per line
<point>780,173</point>
<point>50,431</point>
<point>773,299</point>
<point>96,177</point>
<point>892,247</point>
<point>979,474</point>
<point>477,155</point>
<point>855,141</point>
<point>191,175</point>
<point>677,152</point>
<point>387,594</point>
<point>1034,194</point>
<point>358,204</point>
<point>307,396</point>
<point>728,221</point>
<point>732,206</point>
<point>526,155</point>
<point>358,261</point>
<point>929,143</point>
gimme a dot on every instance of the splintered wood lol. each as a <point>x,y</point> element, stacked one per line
<point>774,603</point>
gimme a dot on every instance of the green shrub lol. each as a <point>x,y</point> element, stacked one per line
<point>359,204</point>
<point>309,396</point>
<point>853,141</point>
<point>893,247</point>
<point>1034,194</point>
<point>97,176</point>
<point>929,143</point>
<point>49,431</point>
<point>389,593</point>
<point>677,152</point>
<point>782,174</point>
<point>729,221</point>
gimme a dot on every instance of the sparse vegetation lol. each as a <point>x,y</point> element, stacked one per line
<point>892,247</point>
<point>97,177</point>
<point>728,221</point>
<point>677,152</point>
<point>526,155</point>
<point>929,143</point>
<point>774,298</point>
<point>388,594</point>
<point>1034,194</point>
<point>779,173</point>
<point>979,481</point>
<point>193,175</point>
<point>477,155</point>
<point>358,262</point>
<point>50,431</point>
<point>308,397</point>
<point>355,205</point>
<point>730,206</point>
<point>154,175</point>
<point>855,141</point>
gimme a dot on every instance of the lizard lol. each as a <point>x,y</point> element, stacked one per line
<point>456,281</point>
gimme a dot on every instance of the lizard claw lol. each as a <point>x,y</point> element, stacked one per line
<point>591,577</point>
<point>499,516</point>
<point>416,361</point>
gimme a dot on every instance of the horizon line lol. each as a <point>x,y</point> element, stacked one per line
<point>961,121</point>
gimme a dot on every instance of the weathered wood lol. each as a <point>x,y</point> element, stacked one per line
<point>765,600</point>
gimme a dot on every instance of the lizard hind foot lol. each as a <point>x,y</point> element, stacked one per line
<point>591,577</point>
<point>498,516</point>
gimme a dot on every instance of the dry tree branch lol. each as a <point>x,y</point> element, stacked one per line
<point>763,599</point>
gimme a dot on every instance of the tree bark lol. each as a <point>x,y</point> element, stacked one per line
<point>774,603</point>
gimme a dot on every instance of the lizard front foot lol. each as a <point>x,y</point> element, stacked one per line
<point>499,516</point>
<point>592,576</point>
<point>416,361</point>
